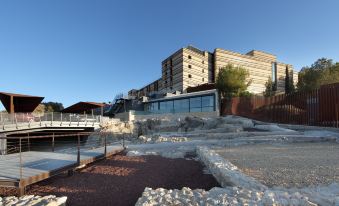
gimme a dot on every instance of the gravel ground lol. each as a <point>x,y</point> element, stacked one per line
<point>120,180</point>
<point>287,165</point>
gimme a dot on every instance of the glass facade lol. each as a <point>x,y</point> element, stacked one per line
<point>204,103</point>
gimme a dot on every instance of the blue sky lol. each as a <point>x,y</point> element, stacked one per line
<point>80,50</point>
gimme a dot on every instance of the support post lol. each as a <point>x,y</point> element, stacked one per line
<point>21,191</point>
<point>53,142</point>
<point>78,156</point>
<point>11,105</point>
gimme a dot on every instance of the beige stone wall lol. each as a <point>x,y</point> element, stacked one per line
<point>196,68</point>
<point>259,65</point>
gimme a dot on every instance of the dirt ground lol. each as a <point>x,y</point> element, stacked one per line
<point>120,180</point>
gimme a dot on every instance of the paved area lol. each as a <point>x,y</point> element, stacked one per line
<point>287,165</point>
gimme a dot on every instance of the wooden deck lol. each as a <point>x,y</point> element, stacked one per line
<point>37,166</point>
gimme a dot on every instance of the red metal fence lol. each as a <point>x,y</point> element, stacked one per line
<point>319,107</point>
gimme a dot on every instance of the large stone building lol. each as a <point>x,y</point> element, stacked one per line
<point>190,67</point>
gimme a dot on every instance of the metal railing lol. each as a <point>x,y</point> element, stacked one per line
<point>18,120</point>
<point>80,148</point>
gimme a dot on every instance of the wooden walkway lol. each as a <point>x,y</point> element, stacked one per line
<point>36,166</point>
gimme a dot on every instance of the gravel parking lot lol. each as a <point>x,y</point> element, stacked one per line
<point>287,165</point>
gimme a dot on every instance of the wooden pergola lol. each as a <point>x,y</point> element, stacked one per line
<point>84,107</point>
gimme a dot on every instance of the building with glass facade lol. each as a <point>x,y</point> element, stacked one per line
<point>204,101</point>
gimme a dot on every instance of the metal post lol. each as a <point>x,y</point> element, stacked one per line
<point>78,120</point>
<point>60,119</point>
<point>16,121</point>
<point>52,119</point>
<point>70,119</point>
<point>20,158</point>
<point>123,140</point>
<point>78,156</point>
<point>93,117</point>
<point>105,145</point>
<point>29,143</point>
<point>86,119</point>
<point>53,142</point>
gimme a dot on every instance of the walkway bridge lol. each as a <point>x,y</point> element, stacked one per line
<point>10,123</point>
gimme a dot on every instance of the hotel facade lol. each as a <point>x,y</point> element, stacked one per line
<point>191,67</point>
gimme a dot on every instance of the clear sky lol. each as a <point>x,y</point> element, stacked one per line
<point>80,50</point>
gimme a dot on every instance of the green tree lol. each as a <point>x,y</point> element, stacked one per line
<point>269,88</point>
<point>40,109</point>
<point>53,106</point>
<point>321,72</point>
<point>232,81</point>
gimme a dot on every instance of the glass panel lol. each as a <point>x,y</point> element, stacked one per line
<point>207,101</point>
<point>195,102</point>
<point>181,105</point>
<point>166,106</point>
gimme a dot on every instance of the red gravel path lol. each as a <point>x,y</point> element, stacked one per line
<point>120,180</point>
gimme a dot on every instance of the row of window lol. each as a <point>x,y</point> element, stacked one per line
<point>190,57</point>
<point>193,104</point>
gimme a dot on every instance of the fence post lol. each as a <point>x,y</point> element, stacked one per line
<point>16,121</point>
<point>53,142</point>
<point>20,158</point>
<point>60,119</point>
<point>78,156</point>
<point>52,119</point>
<point>28,142</point>
<point>105,145</point>
<point>123,140</point>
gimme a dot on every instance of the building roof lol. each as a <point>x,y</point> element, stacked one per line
<point>82,107</point>
<point>21,102</point>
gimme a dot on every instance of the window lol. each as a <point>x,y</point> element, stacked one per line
<point>189,76</point>
<point>166,106</point>
<point>195,104</point>
<point>190,66</point>
<point>203,62</point>
<point>203,71</point>
<point>189,57</point>
<point>181,105</point>
<point>203,79</point>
